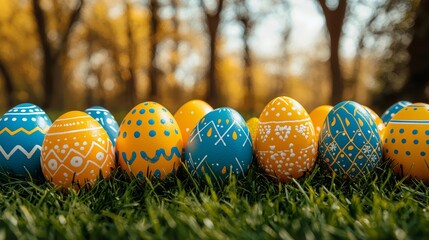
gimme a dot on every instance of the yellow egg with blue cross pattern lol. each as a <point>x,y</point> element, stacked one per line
<point>149,143</point>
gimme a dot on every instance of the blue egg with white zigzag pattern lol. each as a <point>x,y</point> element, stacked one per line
<point>219,145</point>
<point>107,120</point>
<point>22,130</point>
<point>392,110</point>
<point>349,143</point>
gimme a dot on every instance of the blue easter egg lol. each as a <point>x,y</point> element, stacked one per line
<point>392,110</point>
<point>22,130</point>
<point>107,120</point>
<point>219,144</point>
<point>349,143</point>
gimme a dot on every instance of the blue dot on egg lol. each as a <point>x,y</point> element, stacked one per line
<point>124,135</point>
<point>401,130</point>
<point>391,130</point>
<point>162,121</point>
<point>164,110</point>
<point>139,122</point>
<point>133,111</point>
<point>404,140</point>
<point>152,110</point>
<point>393,140</point>
<point>415,132</point>
<point>395,151</point>
<point>427,132</point>
<point>151,121</point>
<point>176,131</point>
<point>146,103</point>
<point>152,133</point>
<point>408,153</point>
<point>171,120</point>
<point>422,154</point>
<point>129,122</point>
<point>157,173</point>
<point>167,133</point>
<point>142,111</point>
<point>427,142</point>
<point>416,141</point>
<point>136,134</point>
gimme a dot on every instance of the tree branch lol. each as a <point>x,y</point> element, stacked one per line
<point>71,23</point>
<point>41,28</point>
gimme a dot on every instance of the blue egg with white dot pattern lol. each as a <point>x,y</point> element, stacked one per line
<point>22,130</point>
<point>107,120</point>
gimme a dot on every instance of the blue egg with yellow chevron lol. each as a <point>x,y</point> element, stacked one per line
<point>22,130</point>
<point>349,143</point>
<point>219,145</point>
<point>107,120</point>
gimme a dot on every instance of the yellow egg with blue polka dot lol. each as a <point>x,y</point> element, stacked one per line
<point>149,142</point>
<point>406,142</point>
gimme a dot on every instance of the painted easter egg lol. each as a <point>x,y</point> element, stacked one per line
<point>22,130</point>
<point>285,144</point>
<point>106,119</point>
<point>377,120</point>
<point>253,124</point>
<point>318,116</point>
<point>220,145</point>
<point>149,142</point>
<point>392,110</point>
<point>406,142</point>
<point>76,150</point>
<point>188,115</point>
<point>349,142</point>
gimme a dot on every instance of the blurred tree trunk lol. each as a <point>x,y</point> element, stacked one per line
<point>417,84</point>
<point>153,71</point>
<point>334,23</point>
<point>130,82</point>
<point>51,70</point>
<point>212,19</point>
<point>8,84</point>
<point>243,17</point>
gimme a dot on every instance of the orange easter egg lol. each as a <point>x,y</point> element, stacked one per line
<point>76,149</point>
<point>377,120</point>
<point>188,116</point>
<point>285,144</point>
<point>318,116</point>
<point>149,142</point>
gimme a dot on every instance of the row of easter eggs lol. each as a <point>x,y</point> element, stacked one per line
<point>79,146</point>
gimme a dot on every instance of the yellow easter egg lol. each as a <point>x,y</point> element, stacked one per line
<point>76,149</point>
<point>253,124</point>
<point>188,115</point>
<point>406,142</point>
<point>149,143</point>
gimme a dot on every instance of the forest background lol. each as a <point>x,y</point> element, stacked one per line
<point>65,55</point>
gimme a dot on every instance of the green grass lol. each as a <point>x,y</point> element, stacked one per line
<point>376,206</point>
